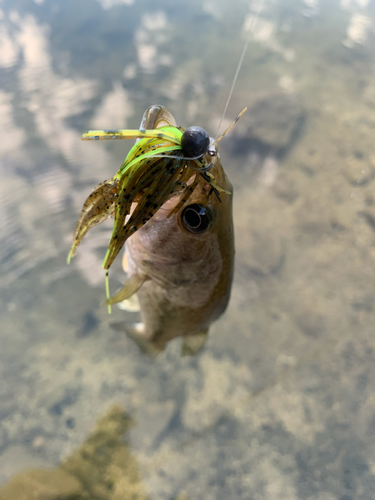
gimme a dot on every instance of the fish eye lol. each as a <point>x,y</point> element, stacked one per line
<point>196,218</point>
<point>195,142</point>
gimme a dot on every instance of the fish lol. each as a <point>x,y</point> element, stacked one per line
<point>180,262</point>
<point>172,207</point>
<point>171,202</point>
<point>154,169</point>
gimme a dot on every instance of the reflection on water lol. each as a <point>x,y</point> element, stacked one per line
<point>280,404</point>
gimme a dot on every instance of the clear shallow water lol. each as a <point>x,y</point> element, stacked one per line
<point>280,403</point>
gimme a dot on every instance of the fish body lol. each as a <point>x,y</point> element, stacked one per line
<point>181,269</point>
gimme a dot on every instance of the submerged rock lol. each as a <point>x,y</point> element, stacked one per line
<point>40,484</point>
<point>102,468</point>
<point>271,122</point>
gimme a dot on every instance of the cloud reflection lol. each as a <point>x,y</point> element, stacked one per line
<point>114,110</point>
<point>40,107</point>
<point>107,4</point>
<point>48,97</point>
<point>155,31</point>
<point>12,137</point>
<point>357,31</point>
<point>8,48</point>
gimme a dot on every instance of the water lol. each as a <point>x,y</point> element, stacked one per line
<point>280,403</point>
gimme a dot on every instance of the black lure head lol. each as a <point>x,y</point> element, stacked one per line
<point>195,142</point>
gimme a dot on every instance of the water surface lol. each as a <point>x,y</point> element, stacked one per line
<point>280,404</point>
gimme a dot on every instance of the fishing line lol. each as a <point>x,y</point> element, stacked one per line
<point>250,29</point>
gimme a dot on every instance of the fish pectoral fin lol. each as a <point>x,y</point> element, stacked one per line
<point>129,288</point>
<point>191,344</point>
<point>136,333</point>
<point>131,304</point>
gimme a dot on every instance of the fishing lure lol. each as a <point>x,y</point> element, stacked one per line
<point>163,162</point>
